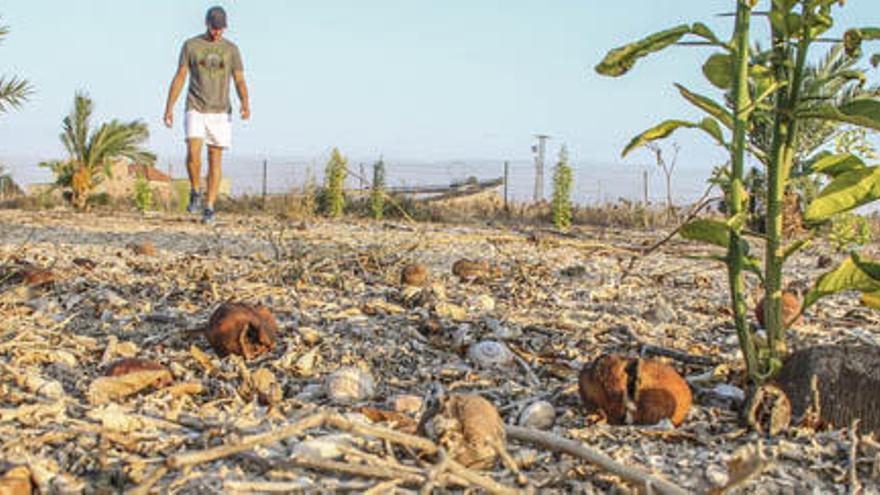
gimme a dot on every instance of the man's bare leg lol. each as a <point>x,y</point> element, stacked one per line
<point>194,162</point>
<point>194,169</point>
<point>215,156</point>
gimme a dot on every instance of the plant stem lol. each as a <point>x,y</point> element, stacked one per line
<point>784,146</point>
<point>736,252</point>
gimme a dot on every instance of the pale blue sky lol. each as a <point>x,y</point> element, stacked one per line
<point>413,79</point>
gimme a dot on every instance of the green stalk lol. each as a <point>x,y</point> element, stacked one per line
<point>735,254</point>
<point>782,156</point>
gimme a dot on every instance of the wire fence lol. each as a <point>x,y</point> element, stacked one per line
<point>594,183</point>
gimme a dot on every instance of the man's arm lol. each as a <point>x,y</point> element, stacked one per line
<point>174,92</point>
<point>241,89</point>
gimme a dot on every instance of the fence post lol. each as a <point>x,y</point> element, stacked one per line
<point>265,174</point>
<point>506,182</point>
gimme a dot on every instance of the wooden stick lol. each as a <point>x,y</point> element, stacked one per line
<point>247,443</point>
<point>579,450</point>
<point>854,486</point>
<point>266,486</point>
<point>144,488</point>
<point>481,481</point>
<point>363,470</point>
<point>344,424</point>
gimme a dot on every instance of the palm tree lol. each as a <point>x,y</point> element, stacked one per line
<point>13,90</point>
<point>90,151</point>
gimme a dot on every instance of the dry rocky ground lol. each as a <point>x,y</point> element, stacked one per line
<point>557,302</point>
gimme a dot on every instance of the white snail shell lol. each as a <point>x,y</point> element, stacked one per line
<point>489,353</point>
<point>540,415</point>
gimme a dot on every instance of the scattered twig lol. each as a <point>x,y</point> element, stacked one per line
<point>855,487</point>
<point>581,451</point>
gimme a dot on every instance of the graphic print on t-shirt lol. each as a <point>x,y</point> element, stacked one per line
<point>211,62</point>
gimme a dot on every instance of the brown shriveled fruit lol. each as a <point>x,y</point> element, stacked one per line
<point>16,481</point>
<point>85,263</point>
<point>37,277</point>
<point>243,329</point>
<point>641,391</point>
<point>470,427</point>
<point>133,365</point>
<point>466,269</point>
<point>791,308</point>
<point>145,248</point>
<point>414,275</point>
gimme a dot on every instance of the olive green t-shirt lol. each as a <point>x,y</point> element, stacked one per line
<point>211,65</point>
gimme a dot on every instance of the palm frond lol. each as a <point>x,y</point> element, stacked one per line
<point>76,127</point>
<point>13,92</point>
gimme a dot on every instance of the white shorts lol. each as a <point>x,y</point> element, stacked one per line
<point>214,128</point>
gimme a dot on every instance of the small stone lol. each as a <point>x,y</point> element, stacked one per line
<point>490,354</point>
<point>482,303</point>
<point>717,475</point>
<point>323,447</point>
<point>660,312</point>
<point>309,335</point>
<point>349,385</point>
<point>406,404</point>
<point>451,311</point>
<point>540,415</point>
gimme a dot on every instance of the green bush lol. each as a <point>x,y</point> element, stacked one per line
<point>562,184</point>
<point>334,185</point>
<point>143,194</point>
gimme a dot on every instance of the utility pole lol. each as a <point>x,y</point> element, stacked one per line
<point>506,181</point>
<point>539,151</point>
<point>361,176</point>
<point>265,179</point>
<point>645,183</point>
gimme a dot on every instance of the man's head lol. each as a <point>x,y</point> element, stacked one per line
<point>215,21</point>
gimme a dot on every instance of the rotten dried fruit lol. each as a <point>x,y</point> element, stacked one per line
<point>470,428</point>
<point>242,329</point>
<point>640,391</point>
<point>414,275</point>
<point>145,248</point>
<point>16,481</point>
<point>468,270</point>
<point>37,277</point>
<point>134,365</point>
<point>791,309</point>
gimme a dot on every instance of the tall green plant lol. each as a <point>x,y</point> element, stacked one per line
<point>143,193</point>
<point>377,191</point>
<point>775,89</point>
<point>334,184</point>
<point>14,90</point>
<point>90,150</point>
<point>562,184</point>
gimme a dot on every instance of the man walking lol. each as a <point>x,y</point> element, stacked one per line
<point>211,62</point>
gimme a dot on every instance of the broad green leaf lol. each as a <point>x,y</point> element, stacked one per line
<point>847,276</point>
<point>711,231</point>
<point>713,128</point>
<point>834,165</point>
<point>667,127</point>
<point>795,247</point>
<point>620,60</point>
<point>847,191</point>
<point>707,105</point>
<point>864,112</point>
<point>718,69</point>
<point>871,268</point>
<point>871,299</point>
<point>703,31</point>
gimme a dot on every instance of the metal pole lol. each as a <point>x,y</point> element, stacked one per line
<point>265,173</point>
<point>361,178</point>
<point>506,182</point>
<point>539,149</point>
<point>645,182</point>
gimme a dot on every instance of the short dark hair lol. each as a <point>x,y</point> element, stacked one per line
<point>216,17</point>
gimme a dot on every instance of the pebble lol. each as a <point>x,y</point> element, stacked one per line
<point>539,415</point>
<point>717,475</point>
<point>406,404</point>
<point>350,385</point>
